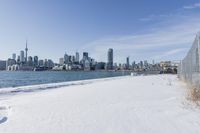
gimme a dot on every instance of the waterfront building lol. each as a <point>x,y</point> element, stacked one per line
<point>85,55</point>
<point>73,59</point>
<point>18,59</point>
<point>141,64</point>
<point>66,59</point>
<point>35,61</point>
<point>77,57</point>
<point>30,61</point>
<point>127,63</point>
<point>50,64</point>
<point>133,65</point>
<point>110,59</point>
<point>100,66</point>
<point>45,63</point>
<point>9,63</point>
<point>41,63</point>
<point>87,65</point>
<point>22,59</point>
<point>145,63</point>
<point>61,61</point>
<point>70,59</point>
<point>153,62</point>
<point>14,56</point>
<point>2,65</point>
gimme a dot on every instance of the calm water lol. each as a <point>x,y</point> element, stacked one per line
<point>15,79</point>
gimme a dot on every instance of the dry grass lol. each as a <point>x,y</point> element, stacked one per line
<point>194,95</point>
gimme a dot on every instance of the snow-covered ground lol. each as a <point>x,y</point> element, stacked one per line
<point>141,104</point>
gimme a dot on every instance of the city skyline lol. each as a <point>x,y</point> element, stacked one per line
<point>164,27</point>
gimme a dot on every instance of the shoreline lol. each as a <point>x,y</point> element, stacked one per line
<point>49,86</point>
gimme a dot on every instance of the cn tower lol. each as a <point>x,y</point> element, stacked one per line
<point>26,50</point>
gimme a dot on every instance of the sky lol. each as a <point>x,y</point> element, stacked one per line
<point>140,29</point>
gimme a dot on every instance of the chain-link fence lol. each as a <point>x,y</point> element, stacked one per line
<point>189,69</point>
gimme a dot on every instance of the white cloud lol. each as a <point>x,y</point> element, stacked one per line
<point>170,39</point>
<point>195,5</point>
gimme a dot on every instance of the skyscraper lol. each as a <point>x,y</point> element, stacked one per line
<point>14,56</point>
<point>35,60</point>
<point>77,57</point>
<point>26,50</point>
<point>127,62</point>
<point>66,58</point>
<point>110,59</point>
<point>22,56</point>
<point>85,55</point>
<point>30,61</point>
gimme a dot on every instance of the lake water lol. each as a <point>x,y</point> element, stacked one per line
<point>20,78</point>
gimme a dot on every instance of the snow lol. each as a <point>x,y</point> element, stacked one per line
<point>129,104</point>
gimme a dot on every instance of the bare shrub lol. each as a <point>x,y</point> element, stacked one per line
<point>194,94</point>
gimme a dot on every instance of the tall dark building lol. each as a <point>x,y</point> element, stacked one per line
<point>85,55</point>
<point>110,59</point>
<point>35,61</point>
<point>127,63</point>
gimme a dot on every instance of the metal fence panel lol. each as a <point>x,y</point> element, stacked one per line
<point>189,68</point>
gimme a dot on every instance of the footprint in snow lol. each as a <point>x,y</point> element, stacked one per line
<point>4,110</point>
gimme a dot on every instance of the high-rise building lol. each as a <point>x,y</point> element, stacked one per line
<point>145,63</point>
<point>35,61</point>
<point>110,59</point>
<point>77,57</point>
<point>85,55</point>
<point>61,61</point>
<point>41,63</point>
<point>2,65</point>
<point>50,64</point>
<point>18,59</point>
<point>26,50</point>
<point>30,61</point>
<point>127,62</point>
<point>45,63</point>
<point>66,58</point>
<point>14,56</point>
<point>22,59</point>
<point>73,59</point>
<point>141,64</point>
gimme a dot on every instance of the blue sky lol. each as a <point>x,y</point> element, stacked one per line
<point>140,29</point>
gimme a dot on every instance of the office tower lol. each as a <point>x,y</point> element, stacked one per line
<point>127,62</point>
<point>141,64</point>
<point>85,55</point>
<point>145,63</point>
<point>35,61</point>
<point>61,61</point>
<point>110,59</point>
<point>77,57</point>
<point>18,59</point>
<point>69,59</point>
<point>73,59</point>
<point>45,62</point>
<point>22,56</point>
<point>14,56</point>
<point>41,63</point>
<point>153,62</point>
<point>26,50</point>
<point>50,64</point>
<point>30,61</point>
<point>133,64</point>
<point>2,65</point>
<point>66,59</point>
